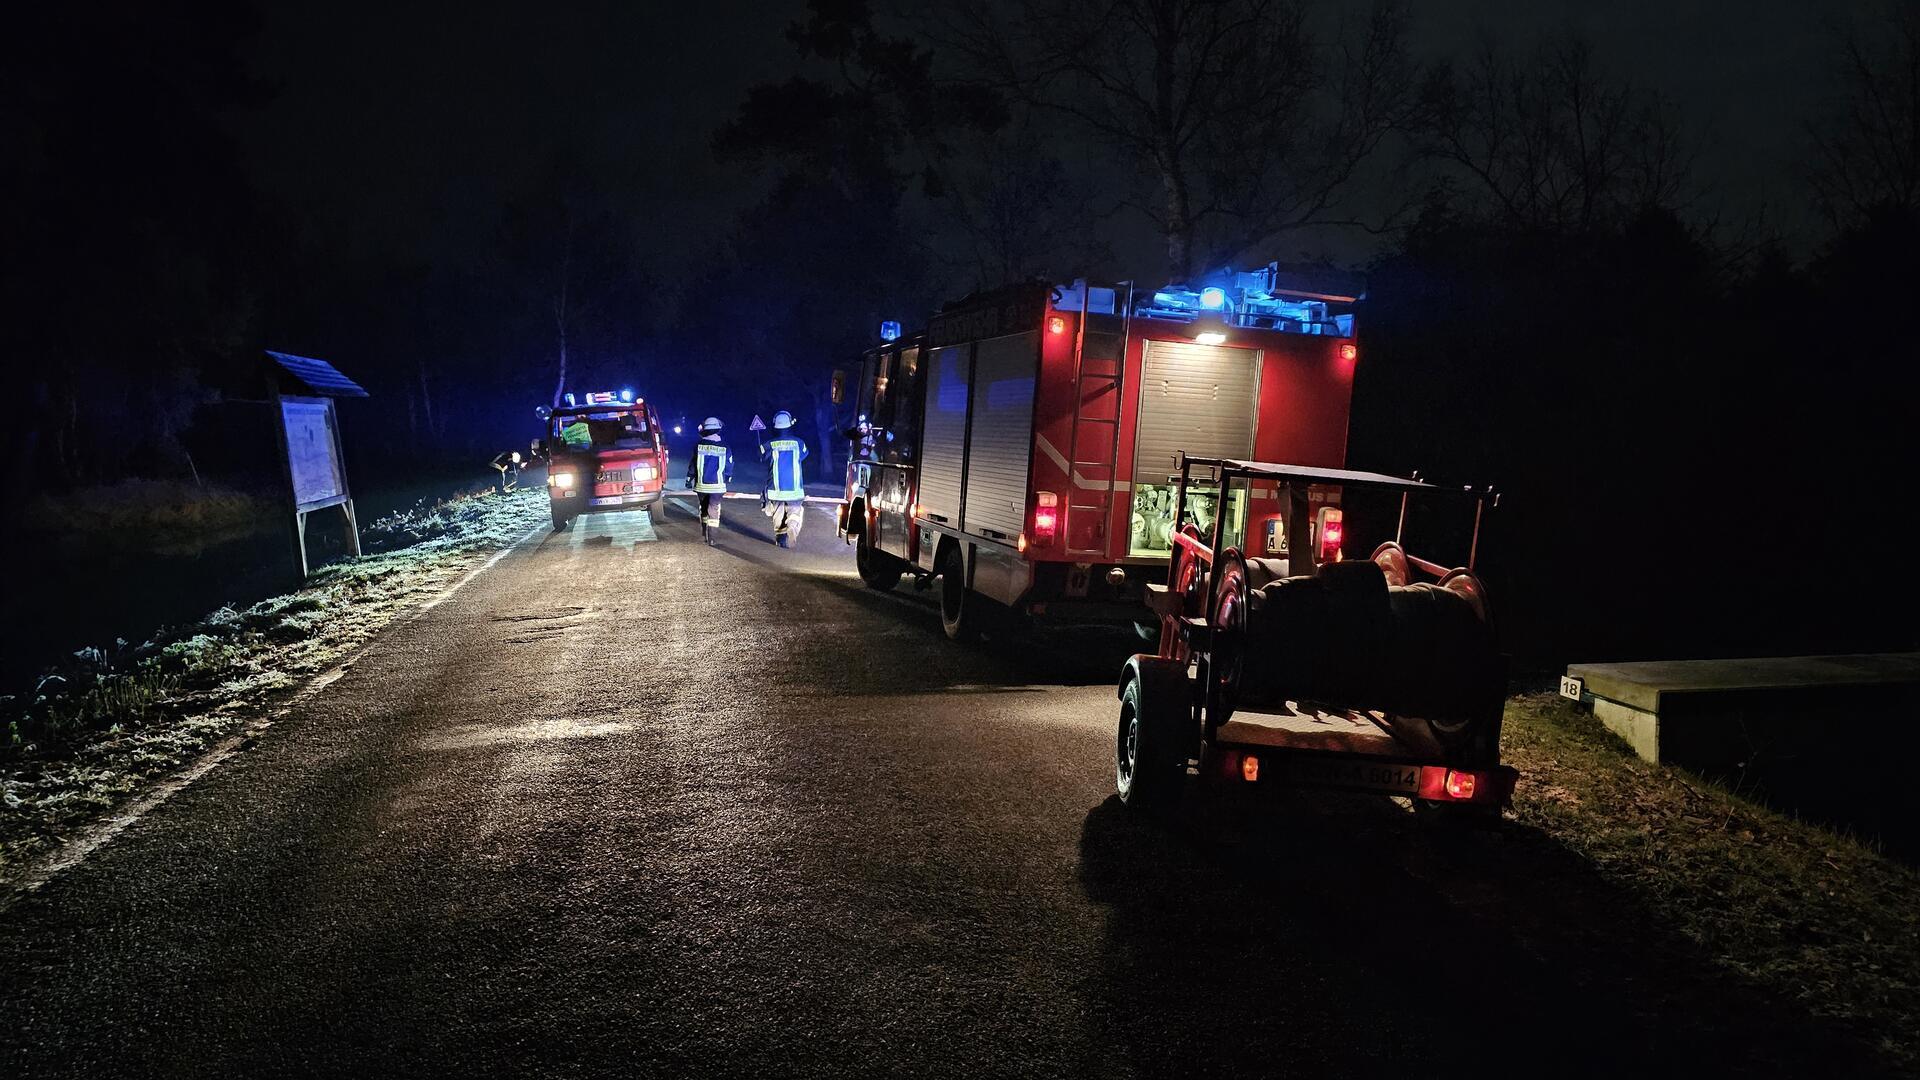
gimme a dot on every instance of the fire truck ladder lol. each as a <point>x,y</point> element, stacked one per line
<point>1093,448</point>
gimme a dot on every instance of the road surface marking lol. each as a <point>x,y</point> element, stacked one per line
<point>94,837</point>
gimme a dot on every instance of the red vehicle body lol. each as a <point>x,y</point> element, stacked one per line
<point>1022,448</point>
<point>604,452</point>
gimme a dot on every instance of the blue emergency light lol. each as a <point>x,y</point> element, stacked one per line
<point>569,398</point>
<point>1213,298</point>
<point>626,395</point>
<point>889,331</point>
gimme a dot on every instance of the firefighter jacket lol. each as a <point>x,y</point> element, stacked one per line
<point>784,453</point>
<point>711,467</point>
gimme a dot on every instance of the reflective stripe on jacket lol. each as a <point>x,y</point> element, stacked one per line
<point>784,478</point>
<point>712,467</point>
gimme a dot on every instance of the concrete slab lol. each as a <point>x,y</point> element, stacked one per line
<point>1671,710</point>
<point>1643,685</point>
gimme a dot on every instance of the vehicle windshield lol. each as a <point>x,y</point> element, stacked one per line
<point>612,430</point>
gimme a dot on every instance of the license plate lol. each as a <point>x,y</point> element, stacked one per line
<point>1571,688</point>
<point>1364,775</point>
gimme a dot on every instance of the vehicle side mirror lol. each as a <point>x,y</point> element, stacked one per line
<point>542,411</point>
<point>839,386</point>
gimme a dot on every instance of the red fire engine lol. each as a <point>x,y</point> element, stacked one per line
<point>604,451</point>
<point>1023,448</point>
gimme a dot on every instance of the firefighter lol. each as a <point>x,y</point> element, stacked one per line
<point>786,484</point>
<point>708,473</point>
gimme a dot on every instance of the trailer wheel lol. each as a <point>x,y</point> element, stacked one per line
<point>878,569</point>
<point>1149,764</point>
<point>959,607</point>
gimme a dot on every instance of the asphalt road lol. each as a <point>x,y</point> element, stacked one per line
<point>629,805</point>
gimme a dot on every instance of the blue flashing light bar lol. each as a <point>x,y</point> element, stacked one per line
<point>608,397</point>
<point>889,331</point>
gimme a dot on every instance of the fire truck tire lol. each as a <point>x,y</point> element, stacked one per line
<point>959,608</point>
<point>1149,756</point>
<point>878,569</point>
<point>560,521</point>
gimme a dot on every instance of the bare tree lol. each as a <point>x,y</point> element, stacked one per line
<point>1867,152</point>
<point>1021,211</point>
<point>1240,119</point>
<point>1550,142</point>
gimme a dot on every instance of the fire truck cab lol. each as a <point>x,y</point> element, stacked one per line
<point>604,451</point>
<point>1023,449</point>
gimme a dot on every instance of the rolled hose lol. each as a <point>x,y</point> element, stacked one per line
<point>1345,637</point>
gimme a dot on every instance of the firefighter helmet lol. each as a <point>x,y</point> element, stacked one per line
<point>783,419</point>
<point>711,423</point>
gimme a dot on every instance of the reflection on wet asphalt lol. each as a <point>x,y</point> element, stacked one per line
<point>631,805</point>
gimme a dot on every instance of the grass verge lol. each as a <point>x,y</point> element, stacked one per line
<point>1813,917</point>
<point>112,720</point>
<point>151,515</point>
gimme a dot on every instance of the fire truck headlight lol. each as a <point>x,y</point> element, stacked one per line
<point>562,480</point>
<point>643,472</point>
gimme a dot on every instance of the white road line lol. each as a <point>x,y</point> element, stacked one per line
<point>73,852</point>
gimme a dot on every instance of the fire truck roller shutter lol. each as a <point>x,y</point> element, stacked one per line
<point>1198,398</point>
<point>943,437</point>
<point>1001,441</point>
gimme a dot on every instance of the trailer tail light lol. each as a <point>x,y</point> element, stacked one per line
<point>1349,352</point>
<point>1250,768</point>
<point>1441,784</point>
<point>1046,517</point>
<point>1332,532</point>
<point>1056,325</point>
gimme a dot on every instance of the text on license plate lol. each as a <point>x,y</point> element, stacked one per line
<point>1366,775</point>
<point>611,476</point>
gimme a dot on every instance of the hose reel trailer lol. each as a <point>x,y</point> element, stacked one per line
<point>1379,674</point>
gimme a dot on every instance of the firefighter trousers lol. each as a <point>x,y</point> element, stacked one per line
<point>787,516</point>
<point>710,508</point>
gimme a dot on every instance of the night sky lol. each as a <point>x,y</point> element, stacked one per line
<point>399,126</point>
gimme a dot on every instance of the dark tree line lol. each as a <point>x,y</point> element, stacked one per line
<point>1680,409</point>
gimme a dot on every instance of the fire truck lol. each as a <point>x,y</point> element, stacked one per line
<point>1023,449</point>
<point>604,451</point>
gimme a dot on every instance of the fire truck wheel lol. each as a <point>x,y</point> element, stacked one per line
<point>560,521</point>
<point>1148,765</point>
<point>959,607</point>
<point>878,569</point>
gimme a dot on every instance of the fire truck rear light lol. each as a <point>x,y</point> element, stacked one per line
<point>1460,785</point>
<point>1021,544</point>
<point>1046,516</point>
<point>1349,352</point>
<point>1332,531</point>
<point>1056,325</point>
<point>1210,337</point>
<point>1250,768</point>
